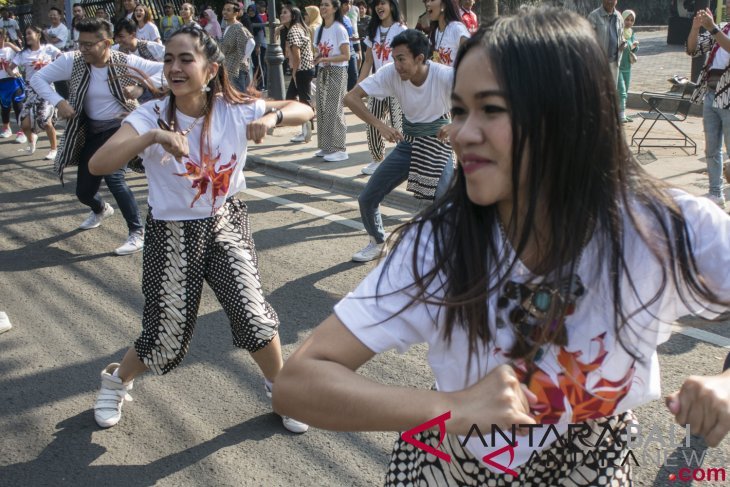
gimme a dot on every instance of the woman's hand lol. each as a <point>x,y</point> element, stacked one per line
<point>498,398</point>
<point>65,110</point>
<point>703,402</point>
<point>257,129</point>
<point>174,143</point>
<point>705,19</point>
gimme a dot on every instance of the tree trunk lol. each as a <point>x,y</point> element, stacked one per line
<point>486,10</point>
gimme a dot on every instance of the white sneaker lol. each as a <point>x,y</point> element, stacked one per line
<point>297,138</point>
<point>371,251</point>
<point>94,220</point>
<point>337,156</point>
<point>4,322</point>
<point>322,153</point>
<point>51,155</point>
<point>134,243</point>
<point>289,423</point>
<point>6,134</point>
<point>370,168</point>
<point>31,146</point>
<point>113,393</point>
<point>718,200</point>
<point>20,138</point>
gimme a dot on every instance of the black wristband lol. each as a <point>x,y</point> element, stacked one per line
<point>714,31</point>
<point>279,115</point>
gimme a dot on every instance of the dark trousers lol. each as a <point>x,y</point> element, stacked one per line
<point>87,185</point>
<point>352,72</point>
<point>302,91</point>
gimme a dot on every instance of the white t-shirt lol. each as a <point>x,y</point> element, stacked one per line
<point>382,52</point>
<point>446,43</point>
<point>566,379</point>
<point>61,31</point>
<point>99,104</point>
<point>11,27</point>
<point>174,193</point>
<point>148,32</point>
<point>6,59</point>
<point>34,61</point>
<point>333,37</point>
<point>156,49</point>
<point>420,104</point>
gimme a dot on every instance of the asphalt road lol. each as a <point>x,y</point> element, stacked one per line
<point>76,307</point>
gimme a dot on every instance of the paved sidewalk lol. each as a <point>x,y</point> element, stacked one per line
<point>657,62</point>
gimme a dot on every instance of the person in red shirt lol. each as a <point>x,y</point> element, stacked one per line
<point>468,17</point>
<point>262,9</point>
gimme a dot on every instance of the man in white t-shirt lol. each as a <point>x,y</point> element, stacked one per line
<point>100,96</point>
<point>57,33</point>
<point>11,27</point>
<point>423,89</point>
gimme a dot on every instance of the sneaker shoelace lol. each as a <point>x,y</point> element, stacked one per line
<point>110,399</point>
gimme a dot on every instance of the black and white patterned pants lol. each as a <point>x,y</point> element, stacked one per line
<point>178,257</point>
<point>331,127</point>
<point>381,108</point>
<point>606,465</point>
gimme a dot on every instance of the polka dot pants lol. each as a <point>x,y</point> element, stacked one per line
<point>178,257</point>
<point>591,458</point>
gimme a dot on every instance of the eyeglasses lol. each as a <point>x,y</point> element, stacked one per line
<point>88,45</point>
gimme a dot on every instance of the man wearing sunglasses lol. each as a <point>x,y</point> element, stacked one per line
<point>102,84</point>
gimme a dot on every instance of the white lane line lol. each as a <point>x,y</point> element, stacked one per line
<point>702,335</point>
<point>305,208</point>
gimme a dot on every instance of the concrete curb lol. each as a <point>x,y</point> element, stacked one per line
<point>328,181</point>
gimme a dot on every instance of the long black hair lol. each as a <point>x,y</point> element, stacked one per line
<point>573,170</point>
<point>338,18</point>
<point>219,86</point>
<point>451,14</point>
<point>42,36</point>
<point>375,19</point>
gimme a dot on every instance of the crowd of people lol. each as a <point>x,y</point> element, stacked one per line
<point>546,246</point>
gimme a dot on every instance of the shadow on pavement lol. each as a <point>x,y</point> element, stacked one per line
<point>67,459</point>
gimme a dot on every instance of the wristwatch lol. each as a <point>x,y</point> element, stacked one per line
<point>714,31</point>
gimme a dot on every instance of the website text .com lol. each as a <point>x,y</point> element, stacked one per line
<point>699,475</point>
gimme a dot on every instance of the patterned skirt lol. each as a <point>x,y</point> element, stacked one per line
<point>39,110</point>
<point>567,462</point>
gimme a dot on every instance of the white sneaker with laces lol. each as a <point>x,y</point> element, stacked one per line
<point>718,200</point>
<point>113,393</point>
<point>370,252</point>
<point>134,243</point>
<point>94,220</point>
<point>20,138</point>
<point>289,423</point>
<point>370,168</point>
<point>297,138</point>
<point>51,155</point>
<point>337,156</point>
<point>6,134</point>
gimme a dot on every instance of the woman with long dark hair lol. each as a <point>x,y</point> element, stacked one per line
<point>333,53</point>
<point>37,114</point>
<point>301,61</point>
<point>447,31</point>
<point>237,45</point>
<point>385,24</point>
<point>543,282</point>
<point>194,144</point>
